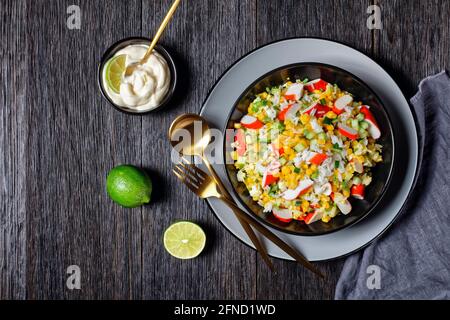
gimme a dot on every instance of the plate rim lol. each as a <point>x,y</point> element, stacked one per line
<point>417,137</point>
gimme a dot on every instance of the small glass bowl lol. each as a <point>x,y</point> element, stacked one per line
<point>133,41</point>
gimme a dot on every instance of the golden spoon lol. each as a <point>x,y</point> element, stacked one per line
<point>197,145</point>
<point>130,69</point>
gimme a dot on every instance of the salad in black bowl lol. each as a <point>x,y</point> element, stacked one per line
<point>312,149</point>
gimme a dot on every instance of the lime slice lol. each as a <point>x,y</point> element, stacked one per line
<point>184,240</point>
<point>115,68</point>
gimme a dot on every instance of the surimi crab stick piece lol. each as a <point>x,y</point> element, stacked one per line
<point>374,129</point>
<point>241,145</point>
<point>358,191</point>
<point>268,179</point>
<point>317,84</point>
<point>317,110</point>
<point>277,151</point>
<point>341,103</point>
<point>342,203</point>
<point>283,111</point>
<point>250,122</point>
<point>348,132</point>
<point>294,92</point>
<point>357,165</point>
<point>283,215</point>
<point>290,114</point>
<point>317,158</point>
<point>325,189</point>
<point>321,110</point>
<point>311,110</point>
<point>302,188</point>
<point>313,217</point>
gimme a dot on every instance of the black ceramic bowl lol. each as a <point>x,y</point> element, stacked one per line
<point>381,173</point>
<point>133,41</point>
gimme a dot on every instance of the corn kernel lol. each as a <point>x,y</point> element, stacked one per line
<point>346,193</point>
<point>329,127</point>
<point>305,205</point>
<point>261,116</point>
<point>334,187</point>
<point>305,118</point>
<point>285,170</point>
<point>292,185</point>
<point>331,115</point>
<point>326,219</point>
<point>263,95</point>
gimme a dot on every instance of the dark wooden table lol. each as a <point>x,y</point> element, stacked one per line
<point>59,138</point>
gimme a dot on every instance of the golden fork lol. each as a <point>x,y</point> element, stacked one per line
<point>204,186</point>
<point>197,147</point>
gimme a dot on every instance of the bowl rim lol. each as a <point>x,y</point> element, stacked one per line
<point>391,167</point>
<point>161,50</point>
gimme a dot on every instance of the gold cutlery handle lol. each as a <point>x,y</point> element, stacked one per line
<point>254,238</point>
<point>272,237</point>
<point>161,29</point>
<point>247,228</point>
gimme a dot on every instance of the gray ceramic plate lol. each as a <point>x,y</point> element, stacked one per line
<point>261,61</point>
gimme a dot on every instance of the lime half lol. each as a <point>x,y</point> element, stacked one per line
<point>115,68</point>
<point>184,240</point>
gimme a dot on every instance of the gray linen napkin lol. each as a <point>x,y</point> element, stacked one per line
<point>413,258</point>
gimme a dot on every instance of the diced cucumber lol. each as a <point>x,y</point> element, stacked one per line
<point>296,170</point>
<point>275,90</point>
<point>360,117</point>
<point>364,125</point>
<point>315,175</point>
<point>299,148</point>
<point>363,133</point>
<point>308,134</point>
<point>357,180</point>
<point>282,161</point>
<point>281,127</point>
<point>327,121</point>
<point>322,136</point>
<point>355,124</point>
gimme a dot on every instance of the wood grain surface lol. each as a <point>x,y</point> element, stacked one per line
<point>59,138</point>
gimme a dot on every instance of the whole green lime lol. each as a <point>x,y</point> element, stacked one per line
<point>129,186</point>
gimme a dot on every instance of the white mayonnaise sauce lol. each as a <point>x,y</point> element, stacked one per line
<point>147,87</point>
